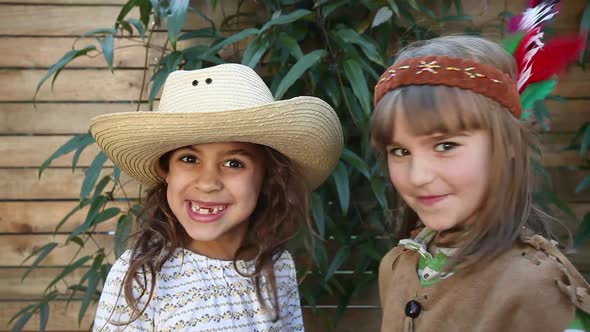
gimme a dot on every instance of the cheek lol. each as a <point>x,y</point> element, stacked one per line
<point>398,176</point>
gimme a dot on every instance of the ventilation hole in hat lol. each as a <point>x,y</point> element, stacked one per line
<point>195,83</point>
<point>208,81</point>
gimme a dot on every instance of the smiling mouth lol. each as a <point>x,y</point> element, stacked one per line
<point>206,210</point>
<point>430,200</point>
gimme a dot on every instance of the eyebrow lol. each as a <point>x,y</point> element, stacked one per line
<point>434,137</point>
<point>242,152</point>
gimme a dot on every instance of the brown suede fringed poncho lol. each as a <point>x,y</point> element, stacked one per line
<point>531,287</point>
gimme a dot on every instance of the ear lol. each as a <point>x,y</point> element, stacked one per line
<point>162,173</point>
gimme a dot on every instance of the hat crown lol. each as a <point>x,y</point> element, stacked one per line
<point>224,87</point>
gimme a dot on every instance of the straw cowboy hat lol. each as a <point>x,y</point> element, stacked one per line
<point>224,103</point>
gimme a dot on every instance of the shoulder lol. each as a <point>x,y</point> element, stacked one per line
<point>537,273</point>
<point>284,262</point>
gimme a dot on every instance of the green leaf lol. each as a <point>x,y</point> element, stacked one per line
<point>378,187</point>
<point>303,64</point>
<point>101,185</point>
<point>536,91</point>
<point>71,213</point>
<point>83,145</point>
<point>56,68</point>
<point>77,240</point>
<point>340,177</point>
<point>199,33</point>
<point>22,321</point>
<point>285,19</point>
<point>585,142</point>
<point>356,78</point>
<point>138,26</point>
<point>331,6</point>
<point>68,269</point>
<point>41,254</point>
<point>317,211</point>
<point>332,89</point>
<point>232,39</point>
<point>107,44</point>
<point>255,51</point>
<point>93,212</point>
<point>394,7</point>
<point>74,143</point>
<point>455,18</point>
<point>459,7</point>
<point>99,32</point>
<point>549,197</point>
<point>366,45</point>
<point>116,174</point>
<point>127,7</point>
<point>122,233</point>
<point>90,293</point>
<point>583,231</point>
<point>43,316</point>
<point>176,19</point>
<point>341,256</point>
<point>92,174</point>
<point>355,161</point>
<point>291,44</point>
<point>585,21</point>
<point>583,184</point>
<point>106,215</point>
<point>30,307</point>
<point>383,15</point>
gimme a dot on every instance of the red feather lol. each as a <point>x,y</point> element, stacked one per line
<point>534,3</point>
<point>522,48</point>
<point>554,57</point>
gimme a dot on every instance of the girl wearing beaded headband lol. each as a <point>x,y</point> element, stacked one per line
<point>447,118</point>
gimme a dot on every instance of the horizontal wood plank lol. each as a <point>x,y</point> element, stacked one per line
<point>43,52</point>
<point>59,20</point>
<point>43,217</point>
<point>16,248</point>
<point>575,83</point>
<point>13,287</point>
<point>73,84</point>
<point>39,52</point>
<point>49,118</point>
<point>55,183</point>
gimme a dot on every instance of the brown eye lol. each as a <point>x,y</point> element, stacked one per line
<point>233,163</point>
<point>399,152</point>
<point>195,83</point>
<point>188,159</point>
<point>208,81</point>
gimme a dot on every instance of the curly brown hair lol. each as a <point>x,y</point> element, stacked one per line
<point>281,211</point>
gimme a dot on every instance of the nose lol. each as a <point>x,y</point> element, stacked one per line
<point>208,179</point>
<point>421,171</point>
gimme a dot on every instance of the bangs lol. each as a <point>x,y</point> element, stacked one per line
<point>428,110</point>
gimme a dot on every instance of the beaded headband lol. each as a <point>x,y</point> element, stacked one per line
<point>462,73</point>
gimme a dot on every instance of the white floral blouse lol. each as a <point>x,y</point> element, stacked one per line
<point>197,293</point>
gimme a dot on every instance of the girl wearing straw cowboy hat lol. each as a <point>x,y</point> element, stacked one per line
<point>229,171</point>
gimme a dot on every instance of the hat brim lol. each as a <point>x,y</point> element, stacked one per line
<point>305,129</point>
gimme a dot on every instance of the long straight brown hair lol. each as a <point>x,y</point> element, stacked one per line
<point>281,211</point>
<point>507,213</point>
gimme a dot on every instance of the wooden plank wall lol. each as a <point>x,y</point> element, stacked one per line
<point>35,33</point>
